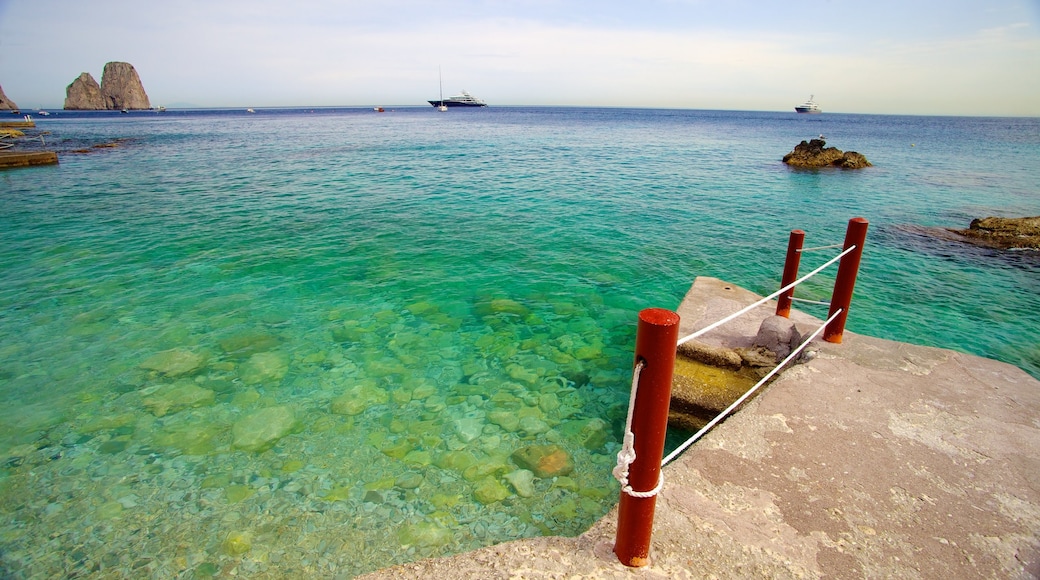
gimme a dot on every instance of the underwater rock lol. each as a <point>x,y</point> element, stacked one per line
<point>264,367</point>
<point>177,397</point>
<point>490,491</point>
<point>195,437</point>
<point>522,481</point>
<point>456,460</point>
<point>358,399</point>
<point>544,460</point>
<point>592,433</point>
<point>425,534</point>
<point>469,428</point>
<point>262,429</point>
<point>507,420</point>
<point>237,543</point>
<point>1003,233</point>
<point>248,343</point>
<point>531,426</point>
<point>174,362</point>
<point>502,306</point>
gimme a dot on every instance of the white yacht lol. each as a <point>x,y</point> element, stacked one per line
<point>463,100</point>
<point>809,106</point>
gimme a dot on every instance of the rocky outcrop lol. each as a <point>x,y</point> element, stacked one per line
<point>120,88</point>
<point>5,103</point>
<point>815,153</point>
<point>84,94</point>
<point>1003,233</point>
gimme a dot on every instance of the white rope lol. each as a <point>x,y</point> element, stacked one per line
<point>627,455</point>
<point>744,397</point>
<point>715,325</point>
<point>830,247</point>
<point>820,302</point>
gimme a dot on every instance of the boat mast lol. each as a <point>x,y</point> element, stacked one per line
<point>440,81</point>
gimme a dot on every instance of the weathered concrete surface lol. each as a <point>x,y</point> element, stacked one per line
<point>875,459</point>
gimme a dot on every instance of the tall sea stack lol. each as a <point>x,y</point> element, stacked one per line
<point>120,88</point>
<point>84,94</point>
<point>5,103</point>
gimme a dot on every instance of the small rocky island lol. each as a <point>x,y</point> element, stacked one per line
<point>120,89</point>
<point>1003,233</point>
<point>815,153</point>
<point>5,103</point>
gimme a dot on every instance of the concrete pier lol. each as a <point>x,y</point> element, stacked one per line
<point>10,159</point>
<point>874,459</point>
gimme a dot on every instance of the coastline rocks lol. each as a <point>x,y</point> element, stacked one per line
<point>84,94</point>
<point>5,103</point>
<point>120,88</point>
<point>1003,233</point>
<point>815,153</point>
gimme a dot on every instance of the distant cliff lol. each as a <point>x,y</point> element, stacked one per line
<point>120,88</point>
<point>5,103</point>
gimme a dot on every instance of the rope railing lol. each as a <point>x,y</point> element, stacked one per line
<point>640,463</point>
<point>726,412</point>
<point>747,309</point>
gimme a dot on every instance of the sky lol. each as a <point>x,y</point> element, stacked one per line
<point>919,57</point>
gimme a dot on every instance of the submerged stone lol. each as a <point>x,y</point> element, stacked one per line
<point>358,399</point>
<point>264,367</point>
<point>522,481</point>
<point>178,397</point>
<point>262,429</point>
<point>237,543</point>
<point>174,362</point>
<point>544,460</point>
<point>425,534</point>
<point>489,491</point>
<point>248,343</point>
<point>592,433</point>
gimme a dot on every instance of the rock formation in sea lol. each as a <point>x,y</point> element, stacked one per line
<point>120,88</point>
<point>84,94</point>
<point>5,103</point>
<point>815,153</point>
<point>1003,233</point>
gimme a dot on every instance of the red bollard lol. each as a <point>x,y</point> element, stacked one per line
<point>656,338</point>
<point>848,267</point>
<point>794,257</point>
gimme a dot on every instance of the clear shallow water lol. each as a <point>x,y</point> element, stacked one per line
<point>421,295</point>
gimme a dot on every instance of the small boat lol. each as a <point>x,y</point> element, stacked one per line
<point>250,111</point>
<point>43,113</point>
<point>463,100</point>
<point>809,106</point>
<point>125,111</point>
<point>379,109</point>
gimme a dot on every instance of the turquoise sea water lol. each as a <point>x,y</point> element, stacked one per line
<point>404,300</point>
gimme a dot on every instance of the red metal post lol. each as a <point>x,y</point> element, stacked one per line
<point>656,338</point>
<point>794,257</point>
<point>855,235</point>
